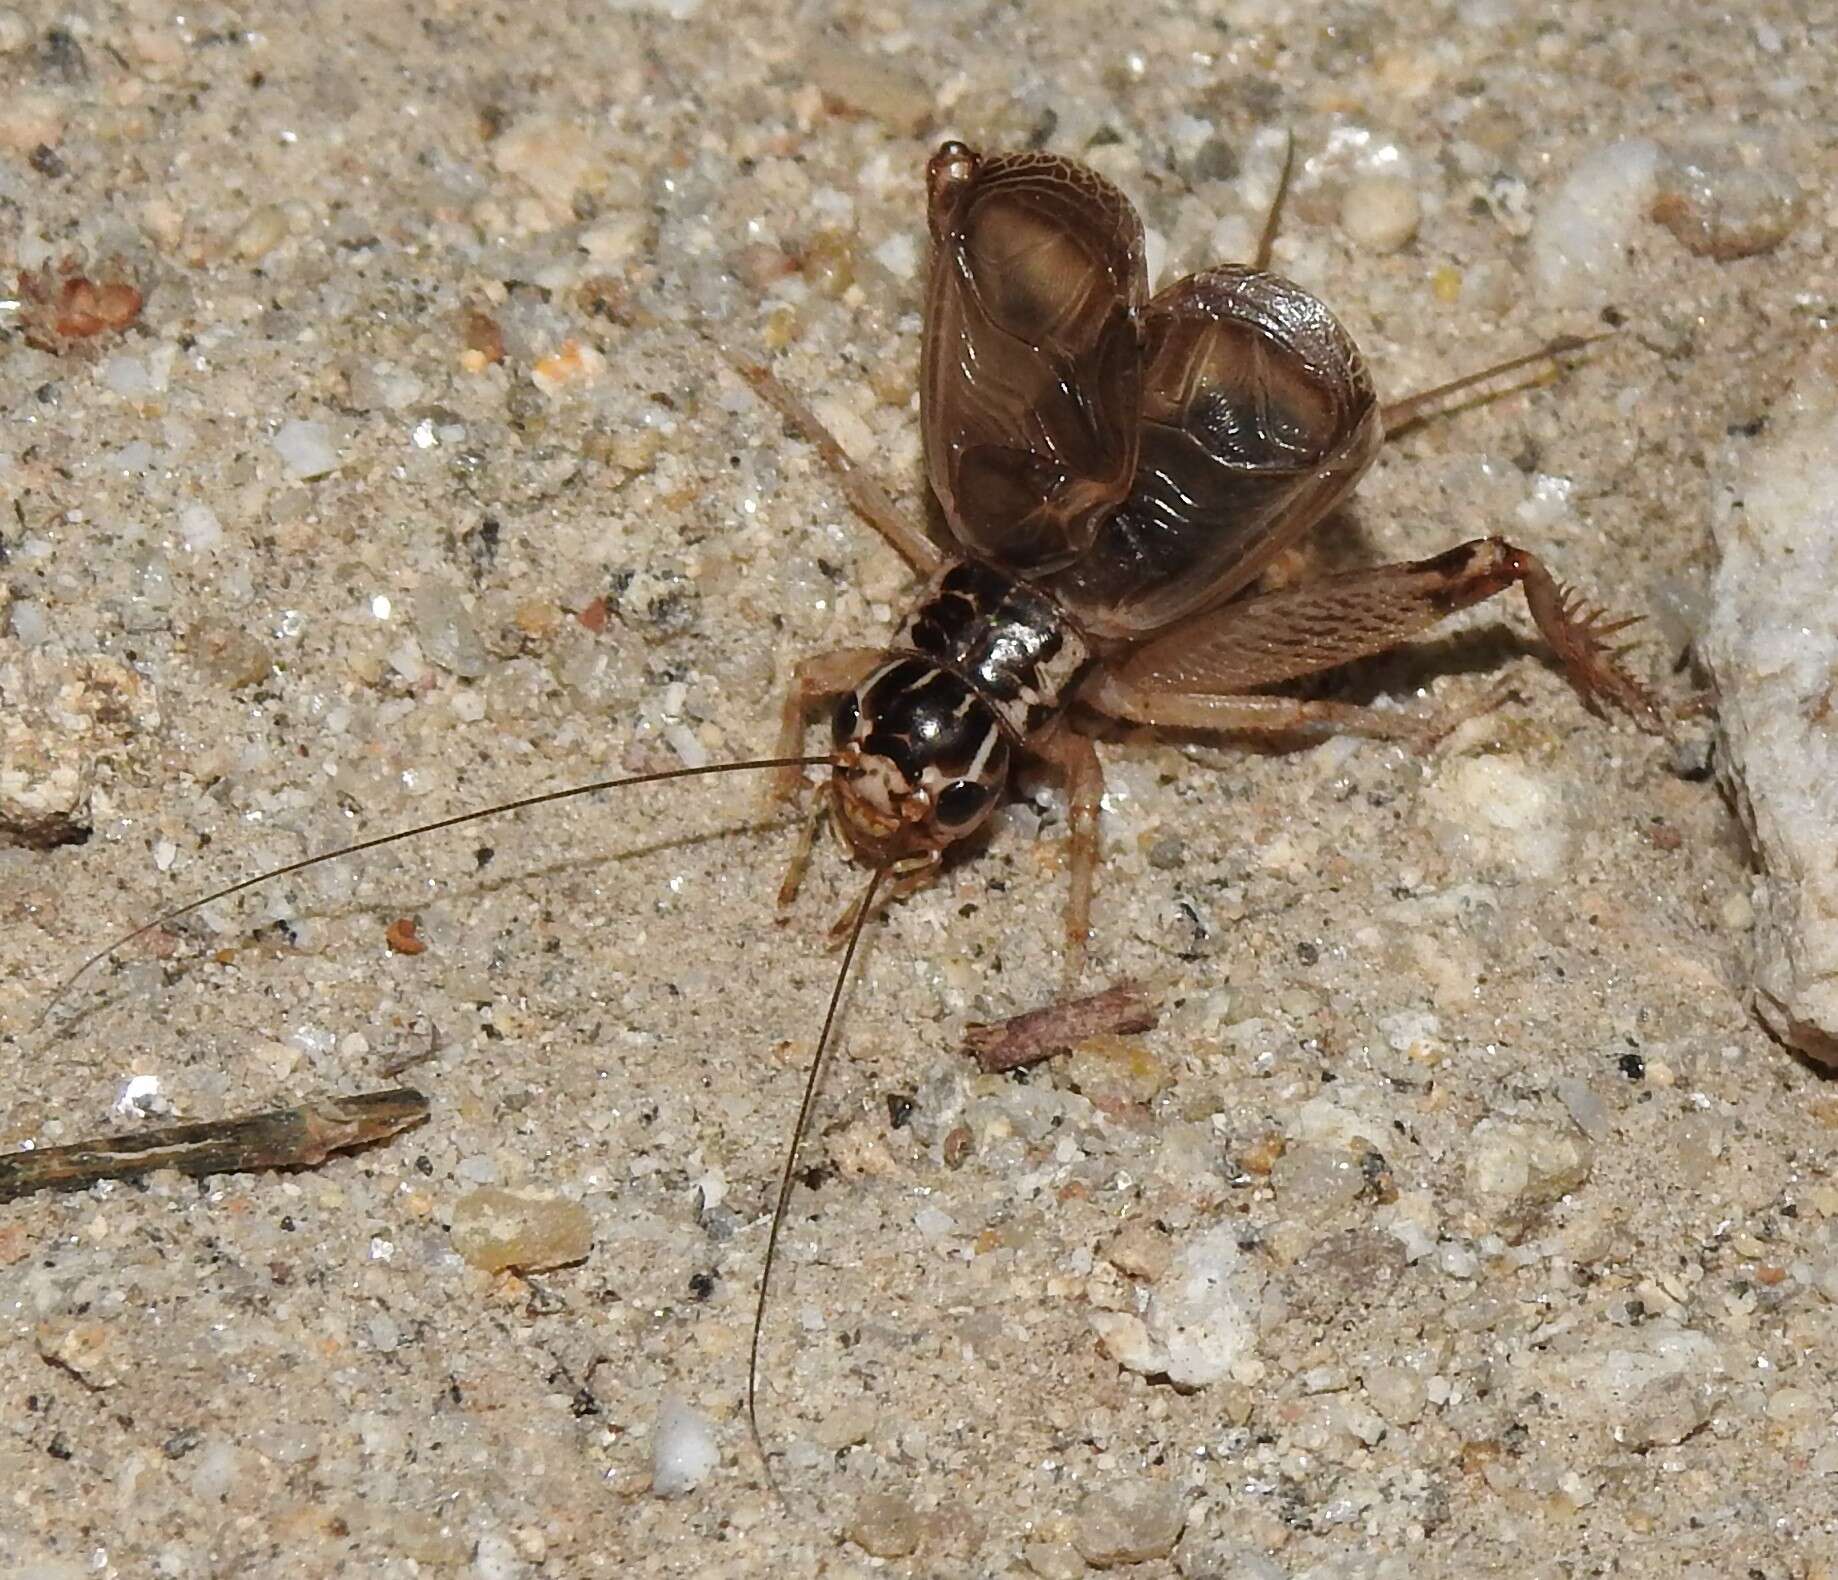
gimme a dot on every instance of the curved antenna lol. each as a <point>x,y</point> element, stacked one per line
<point>458,818</point>
<point>1266,241</point>
<point>788,1176</point>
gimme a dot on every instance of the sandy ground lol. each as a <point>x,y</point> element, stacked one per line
<point>1458,1146</point>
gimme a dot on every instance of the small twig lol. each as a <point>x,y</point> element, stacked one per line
<point>1041,1033</point>
<point>283,1138</point>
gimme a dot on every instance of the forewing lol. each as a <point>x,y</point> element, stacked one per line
<point>1031,379</point>
<point>1257,416</point>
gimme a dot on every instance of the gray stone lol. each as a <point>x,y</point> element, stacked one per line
<point>1130,1523</point>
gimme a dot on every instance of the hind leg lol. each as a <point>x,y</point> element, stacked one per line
<point>1197,674</point>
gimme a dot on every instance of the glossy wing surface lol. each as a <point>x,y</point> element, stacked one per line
<point>1031,380</point>
<point>1257,416</point>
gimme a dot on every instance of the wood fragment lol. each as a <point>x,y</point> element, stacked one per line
<point>1040,1033</point>
<point>282,1138</point>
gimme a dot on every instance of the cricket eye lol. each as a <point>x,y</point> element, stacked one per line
<point>961,803</point>
<point>844,719</point>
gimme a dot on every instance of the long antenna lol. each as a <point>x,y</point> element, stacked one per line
<point>1412,409</point>
<point>788,1177</point>
<point>459,818</point>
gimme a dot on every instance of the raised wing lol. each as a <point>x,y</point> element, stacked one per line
<point>1030,385</point>
<point>1257,417</point>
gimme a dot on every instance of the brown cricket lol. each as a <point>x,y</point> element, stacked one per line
<point>1117,470</point>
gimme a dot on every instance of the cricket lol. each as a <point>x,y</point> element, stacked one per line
<point>1115,471</point>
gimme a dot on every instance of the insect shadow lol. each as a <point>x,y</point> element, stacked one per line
<point>1117,472</point>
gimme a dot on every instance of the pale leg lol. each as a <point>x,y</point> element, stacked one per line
<point>1261,715</point>
<point>815,679</point>
<point>870,500</point>
<point>1077,761</point>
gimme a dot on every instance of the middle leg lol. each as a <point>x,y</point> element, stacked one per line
<point>1076,759</point>
<point>869,498</point>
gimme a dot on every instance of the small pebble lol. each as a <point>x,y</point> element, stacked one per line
<point>687,745</point>
<point>481,1168</point>
<point>497,1229</point>
<point>1586,1109</point>
<point>1224,1555</point>
<point>1397,1393</point>
<point>1315,1181</point>
<point>683,1449</point>
<point>1515,1170</point>
<point>260,233</point>
<point>229,655</point>
<point>552,157</point>
<point>1167,853</point>
<point>215,1471</point>
<point>572,364</point>
<point>495,1558</point>
<point>1458,1261</point>
<point>1503,811</point>
<point>199,528</point>
<point>1053,1560</point>
<point>1650,1387</point>
<point>446,630</point>
<point>30,121</point>
<point>1125,1338</point>
<point>870,84</point>
<point>127,377</point>
<point>31,626</point>
<point>1725,202</point>
<point>1130,1524</point>
<point>1115,1072</point>
<point>899,256</point>
<point>1771,642</point>
<point>86,1350</point>
<point>1583,230</point>
<point>846,1426</point>
<point>933,1222</point>
<point>1381,213</point>
<point>1794,1407</point>
<point>1202,1319</point>
<point>305,448</point>
<point>1140,1250</point>
<point>884,1525</point>
<point>1357,1267</point>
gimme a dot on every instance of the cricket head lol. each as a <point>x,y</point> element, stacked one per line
<point>920,762</point>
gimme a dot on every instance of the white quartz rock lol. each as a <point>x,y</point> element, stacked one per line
<point>1772,647</point>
